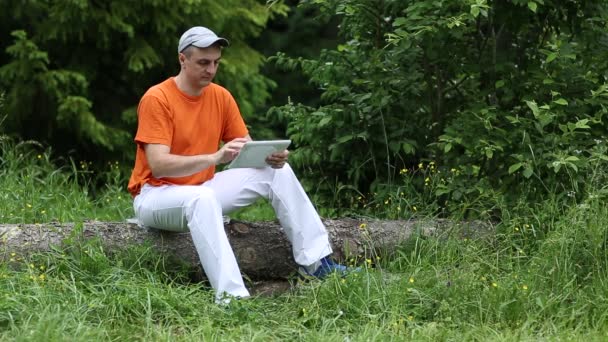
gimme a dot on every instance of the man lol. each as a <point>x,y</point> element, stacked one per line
<point>181,123</point>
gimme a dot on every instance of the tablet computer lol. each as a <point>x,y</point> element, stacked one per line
<point>254,153</point>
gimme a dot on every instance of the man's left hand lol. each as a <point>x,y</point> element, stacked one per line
<point>278,159</point>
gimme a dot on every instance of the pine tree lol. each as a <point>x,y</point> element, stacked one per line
<point>73,71</point>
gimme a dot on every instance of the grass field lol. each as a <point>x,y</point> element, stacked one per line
<point>542,277</point>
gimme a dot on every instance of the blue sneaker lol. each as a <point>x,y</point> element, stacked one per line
<point>326,268</point>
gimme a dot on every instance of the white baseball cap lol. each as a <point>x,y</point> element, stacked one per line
<point>200,37</point>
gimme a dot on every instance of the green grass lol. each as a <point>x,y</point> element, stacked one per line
<point>543,276</point>
<point>34,190</point>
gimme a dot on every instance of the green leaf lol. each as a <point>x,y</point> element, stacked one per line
<point>408,148</point>
<point>325,121</point>
<point>532,105</point>
<point>515,167</point>
<point>344,139</point>
<point>582,124</point>
<point>394,146</point>
<point>556,166</point>
<point>400,21</point>
<point>528,172</point>
<point>513,119</point>
<point>489,153</point>
<point>532,6</point>
<point>561,102</point>
<point>475,11</point>
<point>551,57</point>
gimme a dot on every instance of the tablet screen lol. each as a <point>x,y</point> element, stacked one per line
<point>254,153</point>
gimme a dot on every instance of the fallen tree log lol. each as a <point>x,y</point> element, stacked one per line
<point>262,249</point>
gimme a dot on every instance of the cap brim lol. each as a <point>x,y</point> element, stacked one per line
<point>203,43</point>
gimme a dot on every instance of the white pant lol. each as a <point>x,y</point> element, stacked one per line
<point>200,208</point>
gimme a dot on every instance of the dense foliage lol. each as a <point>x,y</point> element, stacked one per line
<point>504,97</point>
<point>73,71</point>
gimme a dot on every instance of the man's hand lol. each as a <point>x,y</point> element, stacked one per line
<point>230,150</point>
<point>278,159</point>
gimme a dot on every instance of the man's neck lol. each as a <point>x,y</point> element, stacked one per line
<point>185,87</point>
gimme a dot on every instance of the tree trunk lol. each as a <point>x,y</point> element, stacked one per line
<point>261,248</point>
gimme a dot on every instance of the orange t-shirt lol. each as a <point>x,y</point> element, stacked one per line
<point>189,125</point>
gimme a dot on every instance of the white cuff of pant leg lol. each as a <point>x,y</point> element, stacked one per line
<point>225,298</point>
<point>313,267</point>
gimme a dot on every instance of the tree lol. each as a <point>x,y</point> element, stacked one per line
<point>73,71</point>
<point>510,94</point>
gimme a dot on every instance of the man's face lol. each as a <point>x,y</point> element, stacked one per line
<point>200,64</point>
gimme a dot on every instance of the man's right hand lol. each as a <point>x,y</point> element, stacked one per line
<point>230,150</point>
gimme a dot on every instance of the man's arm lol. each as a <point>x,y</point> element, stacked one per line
<point>164,164</point>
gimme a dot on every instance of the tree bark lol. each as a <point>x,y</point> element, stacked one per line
<point>261,248</point>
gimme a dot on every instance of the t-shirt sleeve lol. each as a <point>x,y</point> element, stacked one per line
<point>234,126</point>
<point>154,121</point>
